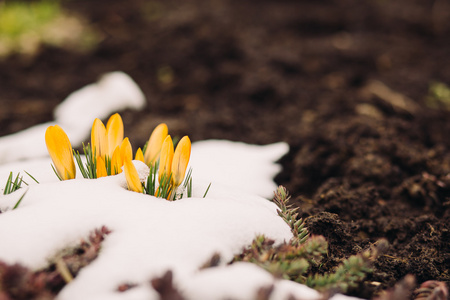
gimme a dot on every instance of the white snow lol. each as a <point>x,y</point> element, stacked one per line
<point>149,235</point>
<point>245,279</point>
<point>253,165</point>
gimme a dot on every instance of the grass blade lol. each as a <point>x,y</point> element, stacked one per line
<point>20,200</point>
<point>7,189</point>
<point>31,177</point>
<point>207,190</point>
<point>54,170</point>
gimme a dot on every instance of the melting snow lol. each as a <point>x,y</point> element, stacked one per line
<point>149,235</point>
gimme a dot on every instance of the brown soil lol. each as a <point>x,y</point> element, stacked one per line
<point>344,82</point>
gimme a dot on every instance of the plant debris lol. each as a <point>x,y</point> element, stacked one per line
<point>20,283</point>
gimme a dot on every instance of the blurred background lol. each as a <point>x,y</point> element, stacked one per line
<point>359,90</point>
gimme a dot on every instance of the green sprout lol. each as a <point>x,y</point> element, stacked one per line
<point>88,169</point>
<point>289,215</point>
<point>15,183</point>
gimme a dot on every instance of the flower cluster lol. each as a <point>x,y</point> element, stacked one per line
<point>109,153</point>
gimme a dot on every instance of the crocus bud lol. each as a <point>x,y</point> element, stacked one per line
<point>155,143</point>
<point>132,177</point>
<point>114,133</point>
<point>181,160</point>
<point>99,143</point>
<point>60,150</point>
<point>139,155</point>
<point>165,160</point>
<point>126,151</point>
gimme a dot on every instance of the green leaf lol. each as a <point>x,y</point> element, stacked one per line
<point>20,200</point>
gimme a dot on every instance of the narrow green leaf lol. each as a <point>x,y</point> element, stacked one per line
<point>57,175</point>
<point>82,168</point>
<point>7,189</point>
<point>207,190</point>
<point>32,177</point>
<point>189,189</point>
<point>20,200</point>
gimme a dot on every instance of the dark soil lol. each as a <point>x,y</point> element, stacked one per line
<point>344,82</point>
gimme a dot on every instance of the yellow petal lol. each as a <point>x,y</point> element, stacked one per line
<point>165,160</point>
<point>101,167</point>
<point>126,152</point>
<point>114,133</point>
<point>181,160</point>
<point>132,177</point>
<point>98,139</point>
<point>116,162</point>
<point>139,155</point>
<point>60,150</point>
<point>155,143</point>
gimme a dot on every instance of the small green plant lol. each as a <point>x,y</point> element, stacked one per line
<point>15,183</point>
<point>281,199</point>
<point>347,275</point>
<point>293,260</point>
<point>88,169</point>
<point>286,261</point>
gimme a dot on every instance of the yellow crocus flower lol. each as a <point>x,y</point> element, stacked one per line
<point>126,151</point>
<point>139,155</point>
<point>165,160</point>
<point>60,150</point>
<point>101,167</point>
<point>116,162</point>
<point>155,143</point>
<point>99,141</point>
<point>132,177</point>
<point>181,160</point>
<point>114,133</point>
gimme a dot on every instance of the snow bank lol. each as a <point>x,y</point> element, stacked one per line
<point>149,235</point>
